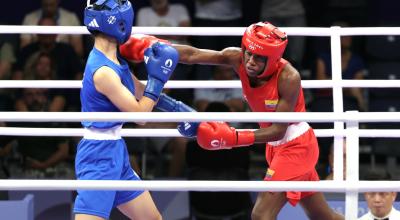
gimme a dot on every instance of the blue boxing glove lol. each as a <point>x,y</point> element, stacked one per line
<point>168,104</point>
<point>160,60</point>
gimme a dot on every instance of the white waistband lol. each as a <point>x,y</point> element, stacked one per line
<point>113,133</point>
<point>293,131</point>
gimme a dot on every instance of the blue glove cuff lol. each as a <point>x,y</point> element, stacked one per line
<point>153,88</point>
<point>169,104</point>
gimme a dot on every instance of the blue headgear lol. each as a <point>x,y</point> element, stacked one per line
<point>111,17</point>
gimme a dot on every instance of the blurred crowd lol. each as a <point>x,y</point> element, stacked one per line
<point>62,57</point>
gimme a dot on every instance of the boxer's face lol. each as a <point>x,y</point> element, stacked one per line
<point>254,64</point>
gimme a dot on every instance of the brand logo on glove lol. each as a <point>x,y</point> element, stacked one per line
<point>168,63</point>
<point>217,143</point>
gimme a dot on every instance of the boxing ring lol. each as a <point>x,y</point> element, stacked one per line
<point>351,186</point>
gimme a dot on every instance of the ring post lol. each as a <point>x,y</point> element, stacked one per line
<point>352,165</point>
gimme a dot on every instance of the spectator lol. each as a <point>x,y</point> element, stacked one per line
<point>231,97</point>
<point>6,146</point>
<point>163,14</point>
<point>33,99</point>
<point>41,156</point>
<point>66,60</point>
<point>352,68</point>
<point>44,156</point>
<point>380,204</point>
<point>63,17</point>
<point>42,67</point>
<point>7,59</point>
<point>331,163</point>
<point>287,13</point>
<point>215,13</point>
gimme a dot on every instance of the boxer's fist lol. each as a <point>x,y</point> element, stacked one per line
<point>134,48</point>
<point>219,135</point>
<point>160,60</point>
<point>188,129</point>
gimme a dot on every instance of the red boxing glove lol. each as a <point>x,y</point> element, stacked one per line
<point>134,48</point>
<point>218,135</point>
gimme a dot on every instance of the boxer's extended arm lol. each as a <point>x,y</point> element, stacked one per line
<point>230,56</point>
<point>218,135</point>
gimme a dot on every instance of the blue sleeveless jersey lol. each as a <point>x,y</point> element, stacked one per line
<point>94,101</point>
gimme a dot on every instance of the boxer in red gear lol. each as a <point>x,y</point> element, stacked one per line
<point>270,84</point>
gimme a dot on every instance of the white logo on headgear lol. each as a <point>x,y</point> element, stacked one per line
<point>93,23</point>
<point>111,19</point>
<point>253,46</point>
<point>168,63</point>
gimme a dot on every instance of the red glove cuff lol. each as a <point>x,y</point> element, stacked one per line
<point>245,138</point>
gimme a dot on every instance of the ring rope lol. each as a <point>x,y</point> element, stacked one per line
<point>159,132</point>
<point>196,185</point>
<point>204,84</point>
<point>284,117</point>
<point>205,31</point>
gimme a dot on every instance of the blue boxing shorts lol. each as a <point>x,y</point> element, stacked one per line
<point>105,159</point>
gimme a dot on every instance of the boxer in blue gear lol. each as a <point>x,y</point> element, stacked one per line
<point>109,86</point>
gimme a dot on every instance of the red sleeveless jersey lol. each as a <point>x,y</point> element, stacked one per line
<point>266,97</point>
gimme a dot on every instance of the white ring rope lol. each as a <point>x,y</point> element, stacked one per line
<point>203,31</point>
<point>169,132</point>
<point>204,84</point>
<point>179,185</point>
<point>285,117</point>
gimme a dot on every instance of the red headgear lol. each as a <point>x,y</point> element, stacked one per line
<point>265,39</point>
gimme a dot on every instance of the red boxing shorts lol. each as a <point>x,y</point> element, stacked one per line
<point>294,160</point>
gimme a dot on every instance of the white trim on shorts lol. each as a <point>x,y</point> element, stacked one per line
<point>113,133</point>
<point>293,131</point>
